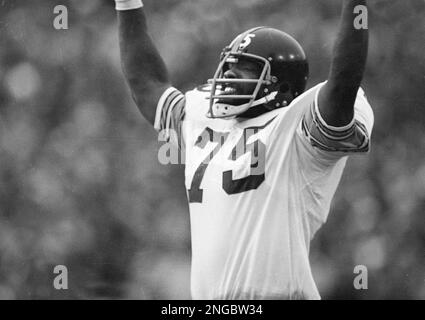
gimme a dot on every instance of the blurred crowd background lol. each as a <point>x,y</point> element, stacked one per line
<point>81,186</point>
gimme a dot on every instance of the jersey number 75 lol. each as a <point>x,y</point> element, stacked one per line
<point>257,149</point>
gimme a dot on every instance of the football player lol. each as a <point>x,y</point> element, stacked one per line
<point>263,156</point>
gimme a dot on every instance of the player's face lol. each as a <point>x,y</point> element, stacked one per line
<point>243,69</point>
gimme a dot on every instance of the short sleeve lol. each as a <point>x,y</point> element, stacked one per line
<point>169,117</point>
<point>334,142</point>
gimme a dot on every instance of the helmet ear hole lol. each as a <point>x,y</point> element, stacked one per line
<point>284,87</point>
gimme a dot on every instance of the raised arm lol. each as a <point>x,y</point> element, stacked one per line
<point>337,96</point>
<point>143,67</point>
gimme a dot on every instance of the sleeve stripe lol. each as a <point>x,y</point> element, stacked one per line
<point>331,135</point>
<point>172,105</point>
<point>363,148</point>
<point>166,108</point>
<point>363,129</point>
<point>314,141</point>
<point>160,106</point>
<point>337,136</point>
<point>315,133</point>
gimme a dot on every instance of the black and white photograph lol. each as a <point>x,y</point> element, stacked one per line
<point>224,151</point>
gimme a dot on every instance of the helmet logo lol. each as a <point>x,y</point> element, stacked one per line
<point>246,41</point>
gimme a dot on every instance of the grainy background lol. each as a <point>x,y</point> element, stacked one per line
<point>80,184</point>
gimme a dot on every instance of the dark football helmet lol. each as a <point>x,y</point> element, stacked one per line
<point>284,73</point>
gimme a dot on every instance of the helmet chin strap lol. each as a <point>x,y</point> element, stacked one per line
<point>226,111</point>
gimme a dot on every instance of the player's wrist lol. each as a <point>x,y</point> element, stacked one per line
<point>122,5</point>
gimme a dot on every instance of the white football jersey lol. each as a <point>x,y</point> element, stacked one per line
<point>258,190</point>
